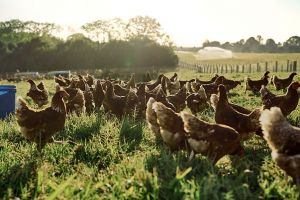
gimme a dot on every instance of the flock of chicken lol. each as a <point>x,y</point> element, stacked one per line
<point>162,103</point>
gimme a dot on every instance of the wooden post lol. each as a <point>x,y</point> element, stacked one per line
<point>231,69</point>
<point>276,66</point>
<point>287,65</point>
<point>250,66</point>
<point>237,68</point>
<point>222,69</point>
<point>295,66</point>
<point>226,70</point>
<point>243,68</point>
<point>266,67</point>
<point>257,67</point>
<point>281,68</point>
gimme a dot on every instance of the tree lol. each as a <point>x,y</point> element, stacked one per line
<point>251,45</point>
<point>271,46</point>
<point>292,44</point>
<point>40,28</point>
<point>259,39</point>
<point>146,27</point>
<point>12,26</point>
<point>97,30</point>
<point>206,43</point>
<point>238,46</point>
<point>227,45</point>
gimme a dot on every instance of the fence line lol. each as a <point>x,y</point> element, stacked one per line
<point>291,66</point>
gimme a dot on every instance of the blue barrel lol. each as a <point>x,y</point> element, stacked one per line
<point>7,100</point>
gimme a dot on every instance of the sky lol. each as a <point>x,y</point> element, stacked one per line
<point>188,22</point>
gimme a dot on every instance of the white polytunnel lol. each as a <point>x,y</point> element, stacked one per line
<point>214,53</point>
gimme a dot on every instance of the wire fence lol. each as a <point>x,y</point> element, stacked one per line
<point>289,66</point>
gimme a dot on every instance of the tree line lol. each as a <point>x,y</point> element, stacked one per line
<point>257,45</point>
<point>137,43</point>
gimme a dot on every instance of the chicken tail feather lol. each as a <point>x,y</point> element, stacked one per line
<point>270,120</point>
<point>21,104</point>
<point>214,99</point>
<point>164,114</point>
<point>191,123</point>
<point>151,117</point>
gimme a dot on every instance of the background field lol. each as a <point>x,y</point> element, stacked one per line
<point>241,58</point>
<point>120,159</point>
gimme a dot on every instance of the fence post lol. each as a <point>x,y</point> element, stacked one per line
<point>266,67</point>
<point>276,66</point>
<point>231,69</point>
<point>226,70</point>
<point>243,68</point>
<point>237,68</point>
<point>257,68</point>
<point>250,66</point>
<point>295,66</point>
<point>287,65</point>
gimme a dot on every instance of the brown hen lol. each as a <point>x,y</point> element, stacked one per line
<point>171,126</point>
<point>197,102</point>
<point>151,118</point>
<point>151,86</point>
<point>243,123</point>
<point>89,100</point>
<point>255,85</point>
<point>283,83</point>
<point>40,126</point>
<point>112,102</point>
<point>287,103</point>
<point>76,102</point>
<point>284,141</point>
<point>211,140</point>
<point>98,94</point>
<point>39,95</point>
<point>178,99</point>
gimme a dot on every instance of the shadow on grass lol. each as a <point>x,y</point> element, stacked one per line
<point>131,134</point>
<point>18,177</point>
<point>83,130</point>
<point>168,166</point>
<point>237,176</point>
<point>232,94</point>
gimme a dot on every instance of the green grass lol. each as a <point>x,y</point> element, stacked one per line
<point>121,159</point>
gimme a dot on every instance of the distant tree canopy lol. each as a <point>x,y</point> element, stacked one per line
<point>30,45</point>
<point>256,45</point>
<point>118,29</point>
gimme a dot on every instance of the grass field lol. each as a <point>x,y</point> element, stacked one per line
<point>242,58</point>
<point>120,159</point>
